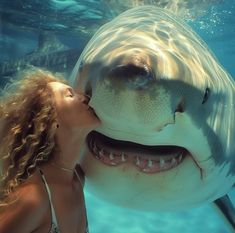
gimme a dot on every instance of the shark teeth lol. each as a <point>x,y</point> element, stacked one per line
<point>123,157</point>
<point>157,164</point>
<point>144,163</point>
<point>106,157</point>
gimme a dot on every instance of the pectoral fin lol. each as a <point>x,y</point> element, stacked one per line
<point>227,210</point>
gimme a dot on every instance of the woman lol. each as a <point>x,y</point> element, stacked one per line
<point>43,127</point>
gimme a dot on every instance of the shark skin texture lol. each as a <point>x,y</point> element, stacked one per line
<point>166,141</point>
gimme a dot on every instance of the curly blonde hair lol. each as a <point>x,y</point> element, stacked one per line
<point>27,128</point>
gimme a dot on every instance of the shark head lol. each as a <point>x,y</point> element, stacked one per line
<point>167,109</point>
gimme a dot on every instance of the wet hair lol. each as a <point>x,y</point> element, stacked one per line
<point>28,123</point>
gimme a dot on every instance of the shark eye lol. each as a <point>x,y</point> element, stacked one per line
<point>206,95</point>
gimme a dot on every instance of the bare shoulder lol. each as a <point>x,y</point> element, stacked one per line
<point>32,195</point>
<point>25,214</point>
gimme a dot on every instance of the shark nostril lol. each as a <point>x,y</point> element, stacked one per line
<point>180,106</point>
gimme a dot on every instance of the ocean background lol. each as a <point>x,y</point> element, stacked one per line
<point>38,32</point>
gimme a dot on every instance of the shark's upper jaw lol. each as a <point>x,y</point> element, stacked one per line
<point>147,159</point>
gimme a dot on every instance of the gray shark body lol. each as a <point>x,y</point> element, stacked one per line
<point>51,54</point>
<point>167,109</point>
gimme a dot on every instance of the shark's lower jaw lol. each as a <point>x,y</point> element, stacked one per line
<point>147,159</point>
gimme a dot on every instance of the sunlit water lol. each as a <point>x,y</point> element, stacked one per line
<point>74,22</point>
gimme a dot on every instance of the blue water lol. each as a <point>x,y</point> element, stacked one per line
<point>105,217</point>
<point>217,29</point>
<point>74,22</point>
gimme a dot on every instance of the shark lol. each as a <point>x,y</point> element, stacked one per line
<point>166,141</point>
<point>50,54</point>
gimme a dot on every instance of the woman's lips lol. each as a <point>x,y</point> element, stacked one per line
<point>92,110</point>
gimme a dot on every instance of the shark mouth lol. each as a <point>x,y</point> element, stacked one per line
<point>147,159</point>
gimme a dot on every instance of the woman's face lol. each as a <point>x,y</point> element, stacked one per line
<point>72,108</point>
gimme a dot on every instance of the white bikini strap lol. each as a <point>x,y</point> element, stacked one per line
<point>54,220</point>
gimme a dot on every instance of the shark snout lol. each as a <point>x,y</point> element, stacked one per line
<point>133,76</point>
